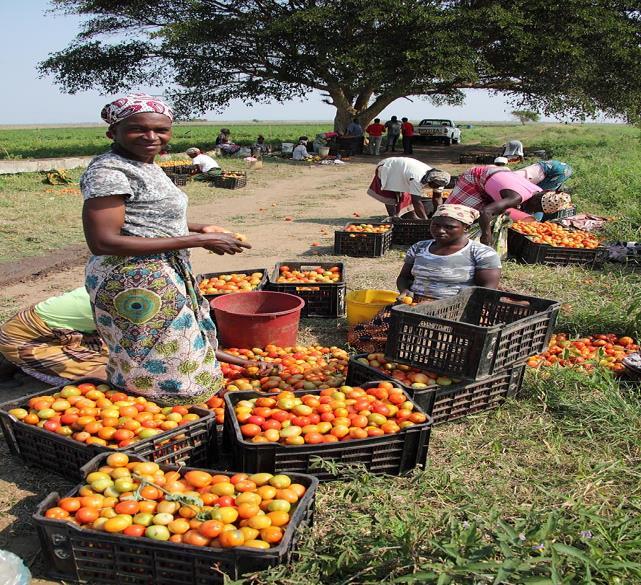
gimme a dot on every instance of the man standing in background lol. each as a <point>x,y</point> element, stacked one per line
<point>393,132</point>
<point>408,133</point>
<point>375,132</point>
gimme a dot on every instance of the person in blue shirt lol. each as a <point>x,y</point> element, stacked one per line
<point>354,129</point>
<point>547,174</point>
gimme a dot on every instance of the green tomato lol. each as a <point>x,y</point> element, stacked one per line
<point>157,532</point>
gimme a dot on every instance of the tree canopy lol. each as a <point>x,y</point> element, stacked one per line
<point>573,58</point>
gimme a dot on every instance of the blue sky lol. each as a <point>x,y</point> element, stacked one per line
<point>29,35</point>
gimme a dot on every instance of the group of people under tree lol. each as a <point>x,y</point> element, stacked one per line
<point>395,130</point>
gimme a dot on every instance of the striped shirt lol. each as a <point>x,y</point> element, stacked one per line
<point>470,187</point>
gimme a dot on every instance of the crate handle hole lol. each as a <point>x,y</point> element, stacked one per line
<point>515,302</point>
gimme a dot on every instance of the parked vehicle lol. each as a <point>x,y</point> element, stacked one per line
<point>440,130</point>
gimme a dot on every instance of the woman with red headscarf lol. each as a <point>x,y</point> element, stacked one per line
<point>147,308</point>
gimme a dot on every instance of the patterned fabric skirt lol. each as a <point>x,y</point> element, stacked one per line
<point>402,203</point>
<point>162,341</point>
<point>55,356</point>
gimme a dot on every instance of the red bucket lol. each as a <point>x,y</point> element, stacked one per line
<point>256,319</point>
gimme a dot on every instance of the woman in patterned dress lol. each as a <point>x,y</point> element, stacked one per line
<point>147,308</point>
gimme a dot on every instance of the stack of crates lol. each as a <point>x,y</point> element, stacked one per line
<point>481,337</point>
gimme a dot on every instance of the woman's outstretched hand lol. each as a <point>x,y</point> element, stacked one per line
<point>223,243</point>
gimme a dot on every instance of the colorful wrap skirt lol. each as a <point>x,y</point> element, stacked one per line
<point>162,341</point>
<point>54,356</point>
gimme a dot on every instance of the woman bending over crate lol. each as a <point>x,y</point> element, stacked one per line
<point>400,183</point>
<point>494,190</point>
<point>146,304</point>
<point>435,269</point>
<point>547,174</point>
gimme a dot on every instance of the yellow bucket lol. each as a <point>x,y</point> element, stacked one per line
<point>363,305</point>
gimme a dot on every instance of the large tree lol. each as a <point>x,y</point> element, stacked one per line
<point>576,57</point>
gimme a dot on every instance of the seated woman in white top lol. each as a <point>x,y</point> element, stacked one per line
<point>300,152</point>
<point>441,267</point>
<point>203,161</point>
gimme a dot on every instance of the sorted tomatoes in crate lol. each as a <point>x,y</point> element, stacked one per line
<point>160,524</point>
<point>606,350</point>
<point>221,283</point>
<point>363,240</point>
<point>63,429</point>
<point>408,376</point>
<point>325,275</point>
<point>295,368</point>
<point>336,414</point>
<point>553,234</point>
<point>368,228</point>
<point>388,434</point>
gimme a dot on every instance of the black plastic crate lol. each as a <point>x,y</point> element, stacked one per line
<point>524,249</point>
<point>186,169</point>
<point>194,442</point>
<point>473,335</point>
<point>485,159</point>
<point>363,245</point>
<point>84,555</point>
<point>467,159</point>
<point>245,271</point>
<point>561,214</point>
<point>447,403</point>
<point>389,454</point>
<point>407,232</point>
<point>181,169</point>
<point>178,180</point>
<point>224,181</point>
<point>321,299</point>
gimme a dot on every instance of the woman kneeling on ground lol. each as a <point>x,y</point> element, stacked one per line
<point>147,308</point>
<point>435,269</point>
<point>56,341</point>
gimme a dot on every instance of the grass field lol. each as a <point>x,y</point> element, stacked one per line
<point>58,142</point>
<point>544,490</point>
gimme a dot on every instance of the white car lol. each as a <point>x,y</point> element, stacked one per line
<point>440,130</point>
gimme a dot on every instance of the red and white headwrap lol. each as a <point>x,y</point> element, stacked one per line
<point>466,215</point>
<point>135,103</point>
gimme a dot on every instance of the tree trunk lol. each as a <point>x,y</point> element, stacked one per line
<point>342,119</point>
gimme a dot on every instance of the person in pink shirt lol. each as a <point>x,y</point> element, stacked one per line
<point>496,190</point>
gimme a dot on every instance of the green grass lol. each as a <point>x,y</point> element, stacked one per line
<point>36,217</point>
<point>58,142</point>
<point>543,491</point>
